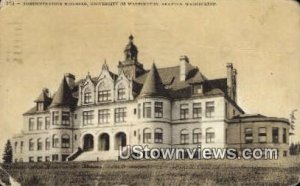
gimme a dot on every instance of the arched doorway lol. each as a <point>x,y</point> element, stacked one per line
<point>88,142</point>
<point>120,140</point>
<point>104,142</point>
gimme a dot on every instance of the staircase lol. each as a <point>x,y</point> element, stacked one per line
<point>75,154</point>
<point>97,156</point>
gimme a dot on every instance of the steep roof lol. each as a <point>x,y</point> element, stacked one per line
<point>43,97</point>
<point>63,96</point>
<point>153,85</point>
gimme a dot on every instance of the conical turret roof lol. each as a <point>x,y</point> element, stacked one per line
<point>63,96</point>
<point>153,86</point>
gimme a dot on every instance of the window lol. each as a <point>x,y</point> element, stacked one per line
<point>104,95</point>
<point>40,106</point>
<point>147,136</point>
<point>147,110</point>
<point>47,158</point>
<point>39,144</point>
<point>284,138</point>
<point>55,157</point>
<point>87,96</point>
<point>47,144</point>
<point>158,109</point>
<point>55,118</point>
<point>120,115</point>
<point>31,145</point>
<point>16,147</point>
<point>39,123</point>
<point>210,135</point>
<point>184,136</point>
<point>285,153</point>
<point>197,135</point>
<point>88,117</point>
<point>47,122</point>
<point>31,124</point>
<point>275,135</point>
<point>184,111</point>
<point>248,135</point>
<point>65,141</point>
<point>210,109</point>
<point>262,135</point>
<point>21,146</point>
<point>158,135</point>
<point>139,110</point>
<point>121,92</point>
<point>39,159</point>
<point>65,119</point>
<point>196,110</point>
<point>55,142</point>
<point>197,89</point>
<point>31,159</point>
<point>103,116</point>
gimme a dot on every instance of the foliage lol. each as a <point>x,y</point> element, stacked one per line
<point>7,155</point>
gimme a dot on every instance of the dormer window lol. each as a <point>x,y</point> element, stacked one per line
<point>197,89</point>
<point>40,106</point>
<point>104,94</point>
<point>121,92</point>
<point>87,97</point>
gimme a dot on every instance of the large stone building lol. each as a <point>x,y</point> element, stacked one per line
<point>174,107</point>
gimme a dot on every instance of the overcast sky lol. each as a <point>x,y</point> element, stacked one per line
<point>261,39</point>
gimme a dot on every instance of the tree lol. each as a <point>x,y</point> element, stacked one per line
<point>7,155</point>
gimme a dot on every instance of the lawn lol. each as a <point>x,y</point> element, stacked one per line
<point>180,172</point>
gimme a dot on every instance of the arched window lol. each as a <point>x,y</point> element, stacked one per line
<point>65,141</point>
<point>39,144</point>
<point>210,135</point>
<point>184,136</point>
<point>121,92</point>
<point>158,135</point>
<point>147,135</point>
<point>104,92</point>
<point>197,135</point>
<point>47,144</point>
<point>55,142</point>
<point>87,96</point>
<point>31,145</point>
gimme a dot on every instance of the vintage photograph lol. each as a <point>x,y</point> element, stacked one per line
<point>142,92</point>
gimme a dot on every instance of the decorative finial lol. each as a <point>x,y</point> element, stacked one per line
<point>131,37</point>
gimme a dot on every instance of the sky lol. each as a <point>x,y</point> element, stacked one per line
<point>38,45</point>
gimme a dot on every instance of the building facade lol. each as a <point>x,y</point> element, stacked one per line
<point>88,119</point>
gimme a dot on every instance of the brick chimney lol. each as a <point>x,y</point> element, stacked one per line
<point>184,60</point>
<point>231,81</point>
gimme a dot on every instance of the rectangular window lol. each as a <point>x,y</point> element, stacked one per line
<point>210,109</point>
<point>16,147</point>
<point>210,137</point>
<point>55,157</point>
<point>31,159</point>
<point>147,110</point>
<point>196,110</point>
<point>158,135</point>
<point>103,116</point>
<point>184,138</point>
<point>48,144</point>
<point>39,159</point>
<point>262,135</point>
<point>121,94</point>
<point>139,110</point>
<point>39,145</point>
<point>120,115</point>
<point>275,135</point>
<point>197,137</point>
<point>21,146</point>
<point>184,111</point>
<point>104,95</point>
<point>158,109</point>
<point>31,145</point>
<point>39,123</point>
<point>31,124</point>
<point>147,137</point>
<point>55,118</point>
<point>47,122</point>
<point>87,97</point>
<point>284,138</point>
<point>40,106</point>
<point>65,118</point>
<point>248,135</point>
<point>88,117</point>
<point>47,158</point>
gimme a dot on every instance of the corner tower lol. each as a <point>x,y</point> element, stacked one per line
<point>131,66</point>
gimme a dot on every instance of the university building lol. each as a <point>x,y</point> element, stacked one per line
<point>88,119</point>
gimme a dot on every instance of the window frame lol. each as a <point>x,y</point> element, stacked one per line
<point>147,136</point>
<point>184,111</point>
<point>184,137</point>
<point>197,110</point>
<point>147,110</point>
<point>87,117</point>
<point>103,116</point>
<point>158,109</point>
<point>209,109</point>
<point>120,114</point>
<point>158,135</point>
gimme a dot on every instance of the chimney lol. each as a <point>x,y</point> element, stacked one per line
<point>70,78</point>
<point>184,60</point>
<point>229,80</point>
<point>234,95</point>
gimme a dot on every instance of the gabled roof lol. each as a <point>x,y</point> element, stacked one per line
<point>43,97</point>
<point>63,96</point>
<point>153,85</point>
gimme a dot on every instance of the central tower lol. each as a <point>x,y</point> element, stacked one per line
<point>130,65</point>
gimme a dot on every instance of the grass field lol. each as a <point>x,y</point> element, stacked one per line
<point>183,172</point>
